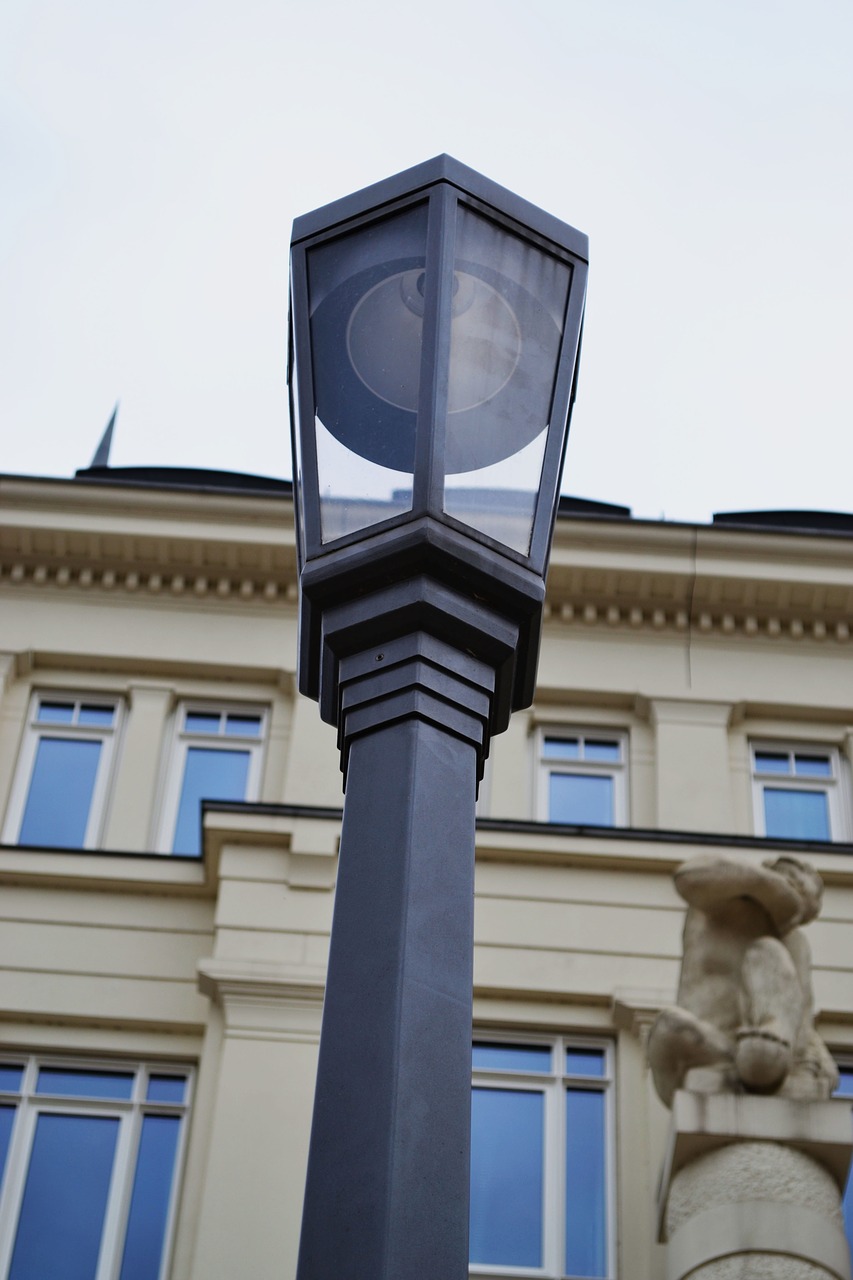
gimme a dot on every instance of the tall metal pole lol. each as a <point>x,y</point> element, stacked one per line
<point>387,1188</point>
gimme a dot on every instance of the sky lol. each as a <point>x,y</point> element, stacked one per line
<point>154,154</point>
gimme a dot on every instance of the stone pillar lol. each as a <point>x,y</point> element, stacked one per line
<point>751,1188</point>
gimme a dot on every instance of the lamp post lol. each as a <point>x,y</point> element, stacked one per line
<point>435,326</point>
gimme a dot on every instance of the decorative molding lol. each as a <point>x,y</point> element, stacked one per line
<point>630,575</point>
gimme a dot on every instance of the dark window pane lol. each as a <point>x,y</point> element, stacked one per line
<point>512,1057</point>
<point>96,715</point>
<point>562,748</point>
<point>10,1078</point>
<point>7,1120</point>
<point>506,1177</point>
<point>586,1232</point>
<point>85,1084</point>
<point>202,721</point>
<point>845,1083</point>
<point>772,762</point>
<point>796,815</point>
<point>65,1198</point>
<point>208,775</point>
<point>55,712</point>
<point>578,797</point>
<point>244,726</point>
<point>813,766</point>
<point>167,1088</point>
<point>585,1062</point>
<point>149,1207</point>
<point>603,751</point>
<point>60,795</point>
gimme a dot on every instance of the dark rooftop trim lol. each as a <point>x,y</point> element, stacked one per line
<point>571,506</point>
<point>793,521</point>
<point>196,478</point>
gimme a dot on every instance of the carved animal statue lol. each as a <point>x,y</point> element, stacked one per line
<point>744,1020</point>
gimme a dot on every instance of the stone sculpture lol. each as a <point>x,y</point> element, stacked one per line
<point>744,1021</point>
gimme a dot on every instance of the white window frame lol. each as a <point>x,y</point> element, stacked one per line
<point>181,741</point>
<point>546,766</point>
<point>833,787</point>
<point>129,1113</point>
<point>553,1086</point>
<point>107,735</point>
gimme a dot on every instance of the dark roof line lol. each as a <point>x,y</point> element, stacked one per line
<point>798,521</point>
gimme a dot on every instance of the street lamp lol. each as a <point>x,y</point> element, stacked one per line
<point>435,326</point>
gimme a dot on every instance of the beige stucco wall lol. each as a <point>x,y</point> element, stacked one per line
<point>690,643</point>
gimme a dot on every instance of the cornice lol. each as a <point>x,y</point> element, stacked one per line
<point>610,575</point>
<point>154,543</point>
<point>737,584</point>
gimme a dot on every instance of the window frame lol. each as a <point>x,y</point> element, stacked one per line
<point>35,731</point>
<point>547,766</point>
<point>130,1113</point>
<point>832,786</point>
<point>553,1085</point>
<point>181,739</point>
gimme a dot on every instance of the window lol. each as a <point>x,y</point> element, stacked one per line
<point>89,1157</point>
<point>582,778</point>
<point>845,1090</point>
<point>797,793</point>
<point>60,791</point>
<point>541,1158</point>
<point>216,756</point>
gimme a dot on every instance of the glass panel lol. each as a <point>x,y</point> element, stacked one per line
<point>813,766</point>
<point>60,795</point>
<point>244,726</point>
<point>845,1090</point>
<point>772,762</point>
<point>10,1078</point>
<point>581,798</point>
<point>203,722</point>
<point>55,712</point>
<point>65,1198</point>
<point>7,1120</point>
<point>209,774</point>
<point>167,1088</point>
<point>152,1192</point>
<point>585,1062</point>
<point>85,1084</point>
<point>564,748</point>
<point>367,305</point>
<point>512,1057</point>
<point>506,329</point>
<point>845,1083</point>
<point>506,1177</point>
<point>90,715</point>
<point>586,1191</point>
<point>599,750</point>
<point>796,815</point>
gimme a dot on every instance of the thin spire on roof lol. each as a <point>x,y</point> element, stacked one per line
<point>102,453</point>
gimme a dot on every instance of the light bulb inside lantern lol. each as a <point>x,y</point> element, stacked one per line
<point>385,333</point>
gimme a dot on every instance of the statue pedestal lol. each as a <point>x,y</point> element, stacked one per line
<point>751,1188</point>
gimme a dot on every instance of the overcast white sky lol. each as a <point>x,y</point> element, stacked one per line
<point>153,154</point>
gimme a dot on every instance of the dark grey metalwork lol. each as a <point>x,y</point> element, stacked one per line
<point>419,636</point>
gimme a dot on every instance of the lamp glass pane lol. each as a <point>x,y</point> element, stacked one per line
<point>508,310</point>
<point>366,306</point>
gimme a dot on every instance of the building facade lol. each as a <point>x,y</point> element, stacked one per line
<point>162,967</point>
